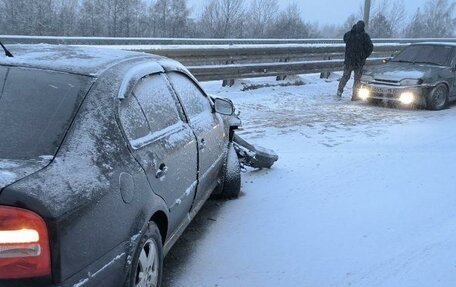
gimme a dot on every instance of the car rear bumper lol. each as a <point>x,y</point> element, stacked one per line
<point>38,282</point>
<point>108,271</point>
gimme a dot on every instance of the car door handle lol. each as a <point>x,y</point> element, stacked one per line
<point>161,172</point>
<point>203,144</point>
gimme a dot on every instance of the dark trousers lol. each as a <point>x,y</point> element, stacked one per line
<point>347,74</point>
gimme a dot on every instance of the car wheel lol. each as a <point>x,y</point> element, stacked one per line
<point>438,98</point>
<point>232,175</point>
<point>147,266</point>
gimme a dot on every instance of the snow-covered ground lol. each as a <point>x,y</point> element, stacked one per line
<point>361,196</point>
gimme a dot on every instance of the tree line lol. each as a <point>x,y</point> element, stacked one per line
<point>217,19</point>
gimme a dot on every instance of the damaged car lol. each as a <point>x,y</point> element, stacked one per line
<point>105,158</point>
<point>422,75</point>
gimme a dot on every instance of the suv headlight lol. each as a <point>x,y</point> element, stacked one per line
<point>411,82</point>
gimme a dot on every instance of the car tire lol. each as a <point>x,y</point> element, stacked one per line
<point>145,267</point>
<point>437,99</point>
<point>231,187</point>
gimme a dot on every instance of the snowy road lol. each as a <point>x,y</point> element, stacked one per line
<point>361,196</point>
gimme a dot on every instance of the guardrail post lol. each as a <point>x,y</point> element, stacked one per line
<point>282,77</point>
<point>229,82</point>
<point>325,75</point>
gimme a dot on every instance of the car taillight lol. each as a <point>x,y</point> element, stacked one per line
<point>24,244</point>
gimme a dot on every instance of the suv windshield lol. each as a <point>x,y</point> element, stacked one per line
<point>427,54</point>
<point>36,108</point>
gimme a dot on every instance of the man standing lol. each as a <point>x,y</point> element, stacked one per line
<point>358,48</point>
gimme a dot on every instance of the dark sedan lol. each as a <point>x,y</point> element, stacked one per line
<point>105,158</point>
<point>421,75</point>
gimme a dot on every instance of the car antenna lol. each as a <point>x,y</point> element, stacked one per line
<point>7,53</point>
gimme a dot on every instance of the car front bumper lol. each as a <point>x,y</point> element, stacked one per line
<point>387,93</point>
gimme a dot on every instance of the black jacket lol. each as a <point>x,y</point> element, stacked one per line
<point>358,47</point>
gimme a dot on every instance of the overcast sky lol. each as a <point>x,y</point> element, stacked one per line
<point>325,11</point>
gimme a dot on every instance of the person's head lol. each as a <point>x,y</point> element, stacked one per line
<point>359,27</point>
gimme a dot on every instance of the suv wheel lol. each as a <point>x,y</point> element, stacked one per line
<point>147,267</point>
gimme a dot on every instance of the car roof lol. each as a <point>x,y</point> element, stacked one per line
<point>82,60</point>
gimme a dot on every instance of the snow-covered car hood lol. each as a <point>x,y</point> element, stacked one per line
<point>394,71</point>
<point>14,170</point>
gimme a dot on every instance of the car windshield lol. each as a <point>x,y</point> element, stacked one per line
<point>36,108</point>
<point>426,54</point>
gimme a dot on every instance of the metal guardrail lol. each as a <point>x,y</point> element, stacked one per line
<point>200,55</point>
<point>19,39</point>
<point>227,59</point>
<point>234,62</point>
<point>212,73</point>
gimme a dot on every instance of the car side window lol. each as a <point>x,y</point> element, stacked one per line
<point>132,119</point>
<point>193,100</point>
<point>158,103</point>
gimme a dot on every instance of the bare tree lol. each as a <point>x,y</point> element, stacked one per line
<point>262,13</point>
<point>114,14</point>
<point>12,16</point>
<point>209,20</point>
<point>224,18</point>
<point>397,16</point>
<point>170,18</point>
<point>437,20</point>
<point>179,18</point>
<point>380,26</point>
<point>417,26</point>
<point>161,12</point>
<point>289,24</point>
<point>330,31</point>
<point>93,18</point>
<point>387,19</point>
<point>67,17</point>
<point>138,19</point>
<point>219,19</point>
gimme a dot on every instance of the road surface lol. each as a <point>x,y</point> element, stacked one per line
<point>362,196</point>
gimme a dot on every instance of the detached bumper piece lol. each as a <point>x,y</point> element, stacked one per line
<point>253,156</point>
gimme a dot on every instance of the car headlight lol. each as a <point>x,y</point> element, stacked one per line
<point>363,93</point>
<point>411,82</point>
<point>407,98</point>
<point>367,79</point>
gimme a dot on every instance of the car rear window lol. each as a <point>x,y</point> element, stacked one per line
<point>36,109</point>
<point>430,54</point>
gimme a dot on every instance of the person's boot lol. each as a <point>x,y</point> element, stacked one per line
<point>355,93</point>
<point>339,94</point>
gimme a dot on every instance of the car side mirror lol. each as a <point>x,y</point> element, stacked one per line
<point>224,107</point>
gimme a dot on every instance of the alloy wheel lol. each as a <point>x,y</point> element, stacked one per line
<point>147,271</point>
